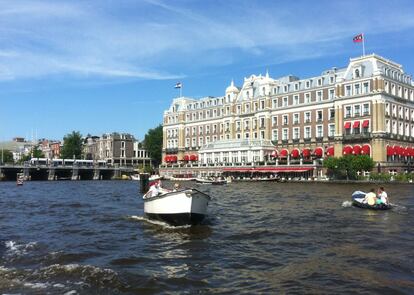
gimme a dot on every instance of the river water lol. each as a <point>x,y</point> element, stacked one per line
<point>89,237</point>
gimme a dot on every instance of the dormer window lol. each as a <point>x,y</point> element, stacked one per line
<point>357,73</point>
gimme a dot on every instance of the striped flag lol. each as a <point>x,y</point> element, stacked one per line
<point>358,38</point>
<point>178,85</point>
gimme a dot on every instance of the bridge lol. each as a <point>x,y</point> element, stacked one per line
<point>72,172</point>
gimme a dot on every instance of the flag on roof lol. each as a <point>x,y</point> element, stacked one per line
<point>358,38</point>
<point>178,85</point>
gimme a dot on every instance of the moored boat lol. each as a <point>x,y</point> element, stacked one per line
<point>182,207</point>
<point>211,181</point>
<point>20,179</point>
<point>358,198</point>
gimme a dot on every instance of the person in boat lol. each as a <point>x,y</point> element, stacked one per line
<point>382,196</point>
<point>370,198</point>
<point>176,187</point>
<point>154,189</point>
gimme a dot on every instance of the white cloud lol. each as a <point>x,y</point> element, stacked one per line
<point>151,39</point>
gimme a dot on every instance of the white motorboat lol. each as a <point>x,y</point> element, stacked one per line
<point>182,207</point>
<point>151,178</point>
<point>211,181</point>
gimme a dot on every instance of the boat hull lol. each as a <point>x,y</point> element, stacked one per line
<point>359,204</point>
<point>177,219</point>
<point>185,207</point>
<point>208,181</point>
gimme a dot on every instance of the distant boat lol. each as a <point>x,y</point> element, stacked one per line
<point>211,181</point>
<point>152,177</point>
<point>183,207</point>
<point>358,198</point>
<point>20,179</point>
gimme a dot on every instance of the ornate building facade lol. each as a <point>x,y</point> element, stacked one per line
<point>364,108</point>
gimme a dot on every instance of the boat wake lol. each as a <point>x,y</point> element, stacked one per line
<point>156,222</point>
<point>347,204</point>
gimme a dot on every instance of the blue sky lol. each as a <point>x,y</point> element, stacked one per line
<point>108,65</point>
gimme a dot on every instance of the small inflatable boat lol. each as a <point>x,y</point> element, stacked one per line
<point>358,198</point>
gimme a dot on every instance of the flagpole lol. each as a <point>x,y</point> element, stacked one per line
<point>181,90</point>
<point>363,44</point>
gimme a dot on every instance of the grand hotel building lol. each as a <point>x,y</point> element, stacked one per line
<point>292,124</point>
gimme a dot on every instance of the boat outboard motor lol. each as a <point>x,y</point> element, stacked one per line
<point>358,195</point>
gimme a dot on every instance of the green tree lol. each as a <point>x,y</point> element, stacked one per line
<point>363,162</point>
<point>72,146</point>
<point>346,167</point>
<point>36,153</point>
<point>153,144</point>
<point>6,156</point>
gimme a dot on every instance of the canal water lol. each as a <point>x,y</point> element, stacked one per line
<point>89,237</point>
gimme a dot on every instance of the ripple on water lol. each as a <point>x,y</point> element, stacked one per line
<point>90,237</point>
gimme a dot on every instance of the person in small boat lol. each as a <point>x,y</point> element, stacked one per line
<point>382,196</point>
<point>370,198</point>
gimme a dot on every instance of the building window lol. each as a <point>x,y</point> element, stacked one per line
<point>357,89</point>
<point>348,111</point>
<point>319,96</point>
<point>285,101</point>
<point>262,134</point>
<point>296,118</point>
<point>331,114</point>
<point>262,122</point>
<point>296,99</point>
<point>331,130</point>
<point>262,104</point>
<point>275,135</point>
<point>331,93</point>
<point>285,134</point>
<point>307,97</point>
<point>348,90</point>
<point>319,116</point>
<point>357,110</point>
<point>365,87</point>
<point>274,121</point>
<point>296,133</point>
<point>365,109</point>
<point>274,103</point>
<point>319,131</point>
<point>285,119</point>
<point>307,132</point>
<point>307,117</point>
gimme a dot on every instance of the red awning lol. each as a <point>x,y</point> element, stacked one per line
<point>365,124</point>
<point>186,158</point>
<point>390,151</point>
<point>356,150</point>
<point>347,150</point>
<point>193,158</point>
<point>356,124</point>
<point>173,159</point>
<point>295,153</point>
<point>401,151</point>
<point>284,153</point>
<point>366,149</point>
<point>330,151</point>
<point>318,152</point>
<point>306,153</point>
<point>411,151</point>
<point>268,169</point>
<point>406,151</point>
<point>274,154</point>
<point>347,125</point>
<point>167,158</point>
